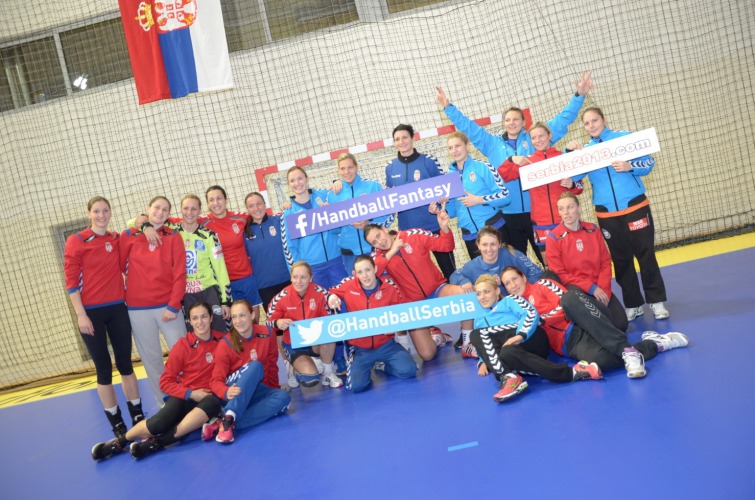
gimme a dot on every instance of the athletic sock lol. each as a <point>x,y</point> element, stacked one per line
<point>230,413</point>
<point>329,367</point>
<point>465,336</point>
<point>136,401</point>
<point>113,410</point>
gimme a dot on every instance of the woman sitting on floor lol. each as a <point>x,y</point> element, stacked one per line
<point>578,326</point>
<point>239,377</point>
<point>186,381</point>
<point>509,340</point>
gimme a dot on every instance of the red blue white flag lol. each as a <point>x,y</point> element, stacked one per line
<point>176,47</point>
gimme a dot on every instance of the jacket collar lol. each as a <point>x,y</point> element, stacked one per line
<point>408,159</point>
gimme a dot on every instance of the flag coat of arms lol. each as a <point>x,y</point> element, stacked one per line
<point>176,47</point>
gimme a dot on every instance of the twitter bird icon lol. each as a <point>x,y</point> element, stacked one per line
<point>311,333</point>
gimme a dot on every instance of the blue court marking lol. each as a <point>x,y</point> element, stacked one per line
<point>462,446</point>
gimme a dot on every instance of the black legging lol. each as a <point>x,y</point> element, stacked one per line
<point>529,357</point>
<point>109,321</point>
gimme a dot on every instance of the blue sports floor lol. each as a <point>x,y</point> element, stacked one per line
<point>685,431</point>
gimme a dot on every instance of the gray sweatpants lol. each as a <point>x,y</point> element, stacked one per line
<point>146,325</point>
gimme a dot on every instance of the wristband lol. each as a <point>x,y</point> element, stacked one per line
<point>146,224</point>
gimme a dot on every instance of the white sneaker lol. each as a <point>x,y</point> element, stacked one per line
<point>318,364</point>
<point>659,310</point>
<point>291,376</point>
<point>634,312</point>
<point>331,379</point>
<point>666,342</point>
<point>634,363</point>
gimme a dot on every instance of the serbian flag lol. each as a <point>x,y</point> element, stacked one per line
<point>176,47</point>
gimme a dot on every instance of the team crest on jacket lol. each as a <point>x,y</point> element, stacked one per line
<point>472,177</point>
<point>235,228</point>
<point>525,145</point>
<point>108,247</point>
<point>312,305</point>
<point>408,248</point>
<point>273,232</point>
<point>187,245</point>
<point>199,245</point>
<point>253,354</point>
<point>580,245</point>
<point>378,294</point>
<point>531,299</point>
<point>417,175</point>
<point>152,247</point>
<point>208,357</point>
<point>606,234</point>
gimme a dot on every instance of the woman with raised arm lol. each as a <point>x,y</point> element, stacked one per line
<point>411,166</point>
<point>543,199</point>
<point>485,193</point>
<point>303,299</point>
<point>405,255</point>
<point>95,287</point>
<point>155,287</point>
<point>365,290</point>
<point>515,141</point>
<point>577,326</point>
<point>510,341</point>
<point>623,212</point>
<point>319,250</point>
<point>242,377</point>
<point>186,381</point>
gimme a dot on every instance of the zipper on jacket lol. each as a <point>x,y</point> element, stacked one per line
<point>325,249</point>
<point>361,250</point>
<point>413,275</point>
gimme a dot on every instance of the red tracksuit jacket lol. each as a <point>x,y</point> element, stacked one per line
<point>92,267</point>
<point>542,198</point>
<point>545,296</point>
<point>580,257</point>
<point>351,292</point>
<point>189,366</point>
<point>411,268</point>
<point>155,274</point>
<point>288,304</point>
<point>260,347</point>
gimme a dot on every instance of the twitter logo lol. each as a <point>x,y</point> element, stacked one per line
<point>311,333</point>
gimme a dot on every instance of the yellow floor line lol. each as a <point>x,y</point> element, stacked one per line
<point>665,258</point>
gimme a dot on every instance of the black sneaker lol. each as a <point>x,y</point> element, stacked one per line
<point>135,410</point>
<point>101,451</point>
<point>460,342</point>
<point>116,423</point>
<point>146,447</point>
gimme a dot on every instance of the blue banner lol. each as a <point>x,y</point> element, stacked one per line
<point>398,199</point>
<point>370,322</point>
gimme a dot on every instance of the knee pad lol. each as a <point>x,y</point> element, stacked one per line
<point>159,424</point>
<point>211,406</point>
<point>308,380</point>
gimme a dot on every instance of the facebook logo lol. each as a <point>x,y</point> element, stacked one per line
<point>301,224</point>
